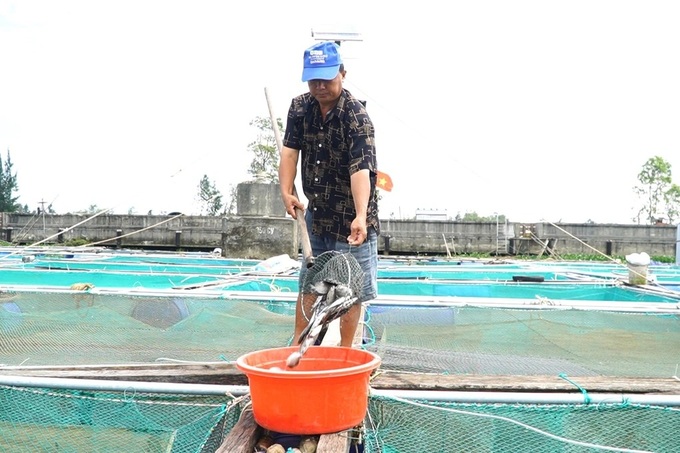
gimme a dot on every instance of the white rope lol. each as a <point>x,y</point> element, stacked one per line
<point>523,425</point>
<point>132,232</point>
<point>57,234</point>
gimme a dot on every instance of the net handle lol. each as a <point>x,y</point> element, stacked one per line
<point>304,236</point>
<point>300,217</point>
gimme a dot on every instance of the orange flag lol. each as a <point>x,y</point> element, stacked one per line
<point>384,181</point>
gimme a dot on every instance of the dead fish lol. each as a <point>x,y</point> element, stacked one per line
<point>82,286</point>
<point>78,298</point>
<point>333,301</point>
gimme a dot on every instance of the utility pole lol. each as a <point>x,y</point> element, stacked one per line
<point>42,211</point>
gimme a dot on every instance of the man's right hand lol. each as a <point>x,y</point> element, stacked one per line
<point>291,202</point>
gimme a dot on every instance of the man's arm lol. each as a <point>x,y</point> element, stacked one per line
<point>361,191</point>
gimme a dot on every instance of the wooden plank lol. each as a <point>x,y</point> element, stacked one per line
<point>513,383</point>
<point>335,443</point>
<point>243,436</point>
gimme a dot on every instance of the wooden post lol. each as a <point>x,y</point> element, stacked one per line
<point>335,443</point>
<point>243,436</point>
<point>386,250</point>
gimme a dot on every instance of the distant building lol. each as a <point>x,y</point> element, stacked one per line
<point>431,214</point>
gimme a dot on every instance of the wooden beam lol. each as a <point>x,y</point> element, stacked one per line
<point>335,443</point>
<point>521,383</point>
<point>243,436</point>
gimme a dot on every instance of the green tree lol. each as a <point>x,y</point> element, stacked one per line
<point>90,210</point>
<point>672,200</point>
<point>265,163</point>
<point>474,217</point>
<point>659,197</point>
<point>210,197</point>
<point>231,208</point>
<point>8,186</point>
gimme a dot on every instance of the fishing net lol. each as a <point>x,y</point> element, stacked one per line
<point>335,268</point>
<point>336,279</point>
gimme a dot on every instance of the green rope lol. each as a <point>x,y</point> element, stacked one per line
<point>586,398</point>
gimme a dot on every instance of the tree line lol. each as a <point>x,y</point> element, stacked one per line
<point>658,196</point>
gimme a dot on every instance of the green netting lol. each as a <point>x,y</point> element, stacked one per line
<point>492,341</point>
<point>58,328</point>
<point>400,426</point>
<point>51,329</point>
<point>55,329</point>
<point>57,420</point>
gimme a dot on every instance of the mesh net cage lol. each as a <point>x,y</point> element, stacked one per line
<point>43,328</point>
<point>58,420</point>
<point>524,342</point>
<point>396,425</point>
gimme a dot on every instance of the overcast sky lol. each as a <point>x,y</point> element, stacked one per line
<point>539,110</point>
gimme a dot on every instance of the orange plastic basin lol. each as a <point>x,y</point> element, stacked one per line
<point>326,392</point>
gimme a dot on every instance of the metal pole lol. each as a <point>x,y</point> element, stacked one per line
<point>42,211</point>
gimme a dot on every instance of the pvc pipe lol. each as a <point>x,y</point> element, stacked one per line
<point>124,386</point>
<point>479,302</point>
<point>399,300</point>
<point>425,395</point>
<point>528,398</point>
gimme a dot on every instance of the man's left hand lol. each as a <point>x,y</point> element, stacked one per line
<point>359,233</point>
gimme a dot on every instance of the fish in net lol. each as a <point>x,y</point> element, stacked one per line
<point>336,279</point>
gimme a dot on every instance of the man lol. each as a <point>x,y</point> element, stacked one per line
<point>335,136</point>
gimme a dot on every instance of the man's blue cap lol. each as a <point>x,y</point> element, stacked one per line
<point>322,61</point>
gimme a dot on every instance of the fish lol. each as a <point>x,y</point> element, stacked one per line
<point>333,301</point>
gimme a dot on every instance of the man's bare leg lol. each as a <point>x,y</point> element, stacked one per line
<point>348,325</point>
<point>303,310</point>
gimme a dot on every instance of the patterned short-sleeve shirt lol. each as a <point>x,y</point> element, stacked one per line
<point>332,150</point>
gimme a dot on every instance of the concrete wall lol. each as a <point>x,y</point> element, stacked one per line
<point>261,230</point>
<point>414,237</point>
<point>262,237</point>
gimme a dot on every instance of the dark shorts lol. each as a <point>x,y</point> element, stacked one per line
<point>366,254</point>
